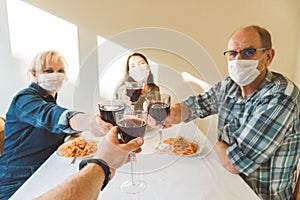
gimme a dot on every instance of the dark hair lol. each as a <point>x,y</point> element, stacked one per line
<point>150,80</point>
<point>134,54</point>
<point>265,36</point>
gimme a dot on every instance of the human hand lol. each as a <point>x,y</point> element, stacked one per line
<point>99,127</point>
<point>126,98</point>
<point>115,153</point>
<point>178,113</point>
<point>220,148</point>
<point>153,123</point>
<point>169,121</point>
<point>134,90</point>
<point>92,123</point>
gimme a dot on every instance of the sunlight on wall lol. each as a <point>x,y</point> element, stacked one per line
<point>111,68</point>
<point>33,30</point>
<point>112,61</point>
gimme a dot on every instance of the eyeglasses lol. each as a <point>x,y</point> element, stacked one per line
<point>245,53</point>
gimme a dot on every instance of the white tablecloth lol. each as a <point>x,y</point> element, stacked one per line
<point>169,177</point>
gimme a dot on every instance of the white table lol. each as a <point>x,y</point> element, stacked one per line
<point>169,177</point>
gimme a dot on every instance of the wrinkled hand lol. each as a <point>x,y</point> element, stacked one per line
<point>169,121</point>
<point>115,153</point>
<point>153,123</point>
<point>178,113</point>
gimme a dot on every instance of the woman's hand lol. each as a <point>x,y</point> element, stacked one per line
<point>92,123</point>
<point>126,98</point>
<point>99,127</point>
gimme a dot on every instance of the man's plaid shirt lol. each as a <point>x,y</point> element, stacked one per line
<point>262,131</point>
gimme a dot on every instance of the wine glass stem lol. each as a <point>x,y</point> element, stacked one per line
<point>160,136</point>
<point>132,166</point>
<point>131,107</point>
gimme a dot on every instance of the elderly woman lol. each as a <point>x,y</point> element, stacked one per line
<point>36,126</point>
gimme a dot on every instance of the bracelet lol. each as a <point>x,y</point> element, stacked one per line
<point>102,164</point>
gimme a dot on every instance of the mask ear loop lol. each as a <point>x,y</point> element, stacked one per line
<point>264,67</point>
<point>37,73</point>
<point>66,78</point>
<point>37,77</point>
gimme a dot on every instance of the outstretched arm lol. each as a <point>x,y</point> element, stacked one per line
<point>86,184</point>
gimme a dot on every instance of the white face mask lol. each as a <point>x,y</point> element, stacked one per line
<point>243,72</point>
<point>52,81</point>
<point>139,73</point>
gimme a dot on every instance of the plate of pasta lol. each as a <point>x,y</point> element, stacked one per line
<point>183,146</point>
<point>82,147</point>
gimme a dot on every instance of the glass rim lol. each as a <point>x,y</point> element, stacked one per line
<point>107,101</point>
<point>132,112</point>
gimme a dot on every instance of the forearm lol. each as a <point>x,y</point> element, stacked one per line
<point>86,184</point>
<point>80,122</point>
<point>220,148</point>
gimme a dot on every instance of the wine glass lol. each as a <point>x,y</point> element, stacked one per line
<point>134,91</point>
<point>132,125</point>
<point>159,109</point>
<point>108,109</point>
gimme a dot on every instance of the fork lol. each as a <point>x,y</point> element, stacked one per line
<point>75,157</point>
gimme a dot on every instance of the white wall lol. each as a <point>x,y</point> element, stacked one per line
<point>208,24</point>
<point>11,76</point>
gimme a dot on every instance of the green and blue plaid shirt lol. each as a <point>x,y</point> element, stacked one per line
<point>262,131</point>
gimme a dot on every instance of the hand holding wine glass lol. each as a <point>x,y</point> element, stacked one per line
<point>115,153</point>
<point>108,109</point>
<point>132,125</point>
<point>159,109</point>
<point>133,91</point>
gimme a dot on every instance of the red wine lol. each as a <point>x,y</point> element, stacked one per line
<point>159,111</point>
<point>131,128</point>
<point>134,93</point>
<point>107,112</point>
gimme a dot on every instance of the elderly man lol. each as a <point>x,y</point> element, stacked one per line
<point>258,116</point>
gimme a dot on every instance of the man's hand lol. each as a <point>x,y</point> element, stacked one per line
<point>178,113</point>
<point>115,153</point>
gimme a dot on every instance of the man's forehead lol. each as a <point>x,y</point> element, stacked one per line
<point>243,38</point>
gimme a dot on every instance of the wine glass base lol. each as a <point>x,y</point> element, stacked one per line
<point>134,188</point>
<point>163,148</point>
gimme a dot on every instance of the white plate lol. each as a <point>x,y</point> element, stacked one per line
<point>197,153</point>
<point>90,142</point>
